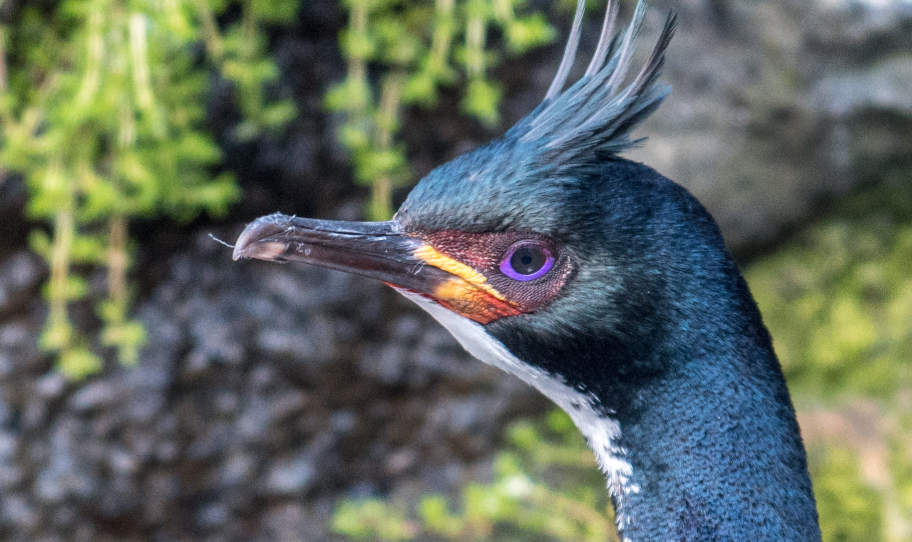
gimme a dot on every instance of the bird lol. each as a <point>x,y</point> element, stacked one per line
<point>606,286</point>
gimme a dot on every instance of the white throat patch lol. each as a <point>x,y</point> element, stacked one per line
<point>601,431</point>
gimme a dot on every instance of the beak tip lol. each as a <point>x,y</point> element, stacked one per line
<point>243,242</point>
<point>250,244</point>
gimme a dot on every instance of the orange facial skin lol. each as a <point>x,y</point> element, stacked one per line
<point>468,292</point>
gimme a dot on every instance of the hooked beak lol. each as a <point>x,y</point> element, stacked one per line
<point>379,250</point>
<point>373,249</point>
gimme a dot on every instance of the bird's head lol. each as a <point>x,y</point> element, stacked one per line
<point>531,236</point>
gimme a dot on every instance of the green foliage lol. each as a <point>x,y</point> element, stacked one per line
<point>371,519</point>
<point>103,112</point>
<point>850,508</point>
<point>413,46</point>
<point>838,299</point>
<point>239,53</point>
<point>546,488</point>
<point>838,302</point>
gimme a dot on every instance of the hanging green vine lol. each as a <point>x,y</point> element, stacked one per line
<point>102,104</point>
<point>413,45</point>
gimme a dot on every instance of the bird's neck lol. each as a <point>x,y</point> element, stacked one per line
<point>704,420</point>
<point>706,450</point>
<point>712,454</point>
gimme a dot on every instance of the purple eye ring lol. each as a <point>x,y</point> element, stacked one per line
<point>526,260</point>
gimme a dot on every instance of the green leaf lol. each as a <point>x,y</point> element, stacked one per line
<point>850,509</point>
<point>371,519</point>
<point>357,44</point>
<point>78,363</point>
<point>528,33</point>
<point>482,100</point>
<point>274,11</point>
<point>56,336</point>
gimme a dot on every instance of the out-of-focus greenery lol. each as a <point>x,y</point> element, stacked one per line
<point>102,104</point>
<point>838,301</point>
<point>850,509</point>
<point>415,47</point>
<point>546,488</point>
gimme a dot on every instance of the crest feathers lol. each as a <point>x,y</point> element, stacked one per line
<point>595,113</point>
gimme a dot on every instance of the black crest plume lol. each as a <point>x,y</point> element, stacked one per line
<point>596,113</point>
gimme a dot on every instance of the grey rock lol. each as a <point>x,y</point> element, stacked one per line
<point>19,512</point>
<point>213,516</point>
<point>96,395</point>
<point>255,420</point>
<point>51,386</point>
<point>763,131</point>
<point>19,348</point>
<point>291,476</point>
<point>20,276</point>
<point>239,468</point>
<point>289,522</point>
<point>11,475</point>
<point>343,421</point>
<point>68,473</point>
<point>881,86</point>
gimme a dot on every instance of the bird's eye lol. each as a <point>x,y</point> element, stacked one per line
<point>526,260</point>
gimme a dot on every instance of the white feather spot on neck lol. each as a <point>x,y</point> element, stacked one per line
<point>601,431</point>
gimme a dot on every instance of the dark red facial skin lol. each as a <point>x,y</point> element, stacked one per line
<point>484,252</point>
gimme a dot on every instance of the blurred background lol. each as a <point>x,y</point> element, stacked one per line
<point>153,390</point>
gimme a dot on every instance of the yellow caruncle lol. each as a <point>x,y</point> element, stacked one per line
<point>469,281</point>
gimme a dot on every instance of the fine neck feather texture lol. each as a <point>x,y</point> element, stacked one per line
<point>676,354</point>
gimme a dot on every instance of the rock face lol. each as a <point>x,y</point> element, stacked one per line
<point>778,106</point>
<point>268,391</point>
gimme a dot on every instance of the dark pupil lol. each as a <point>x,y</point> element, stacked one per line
<point>527,260</point>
